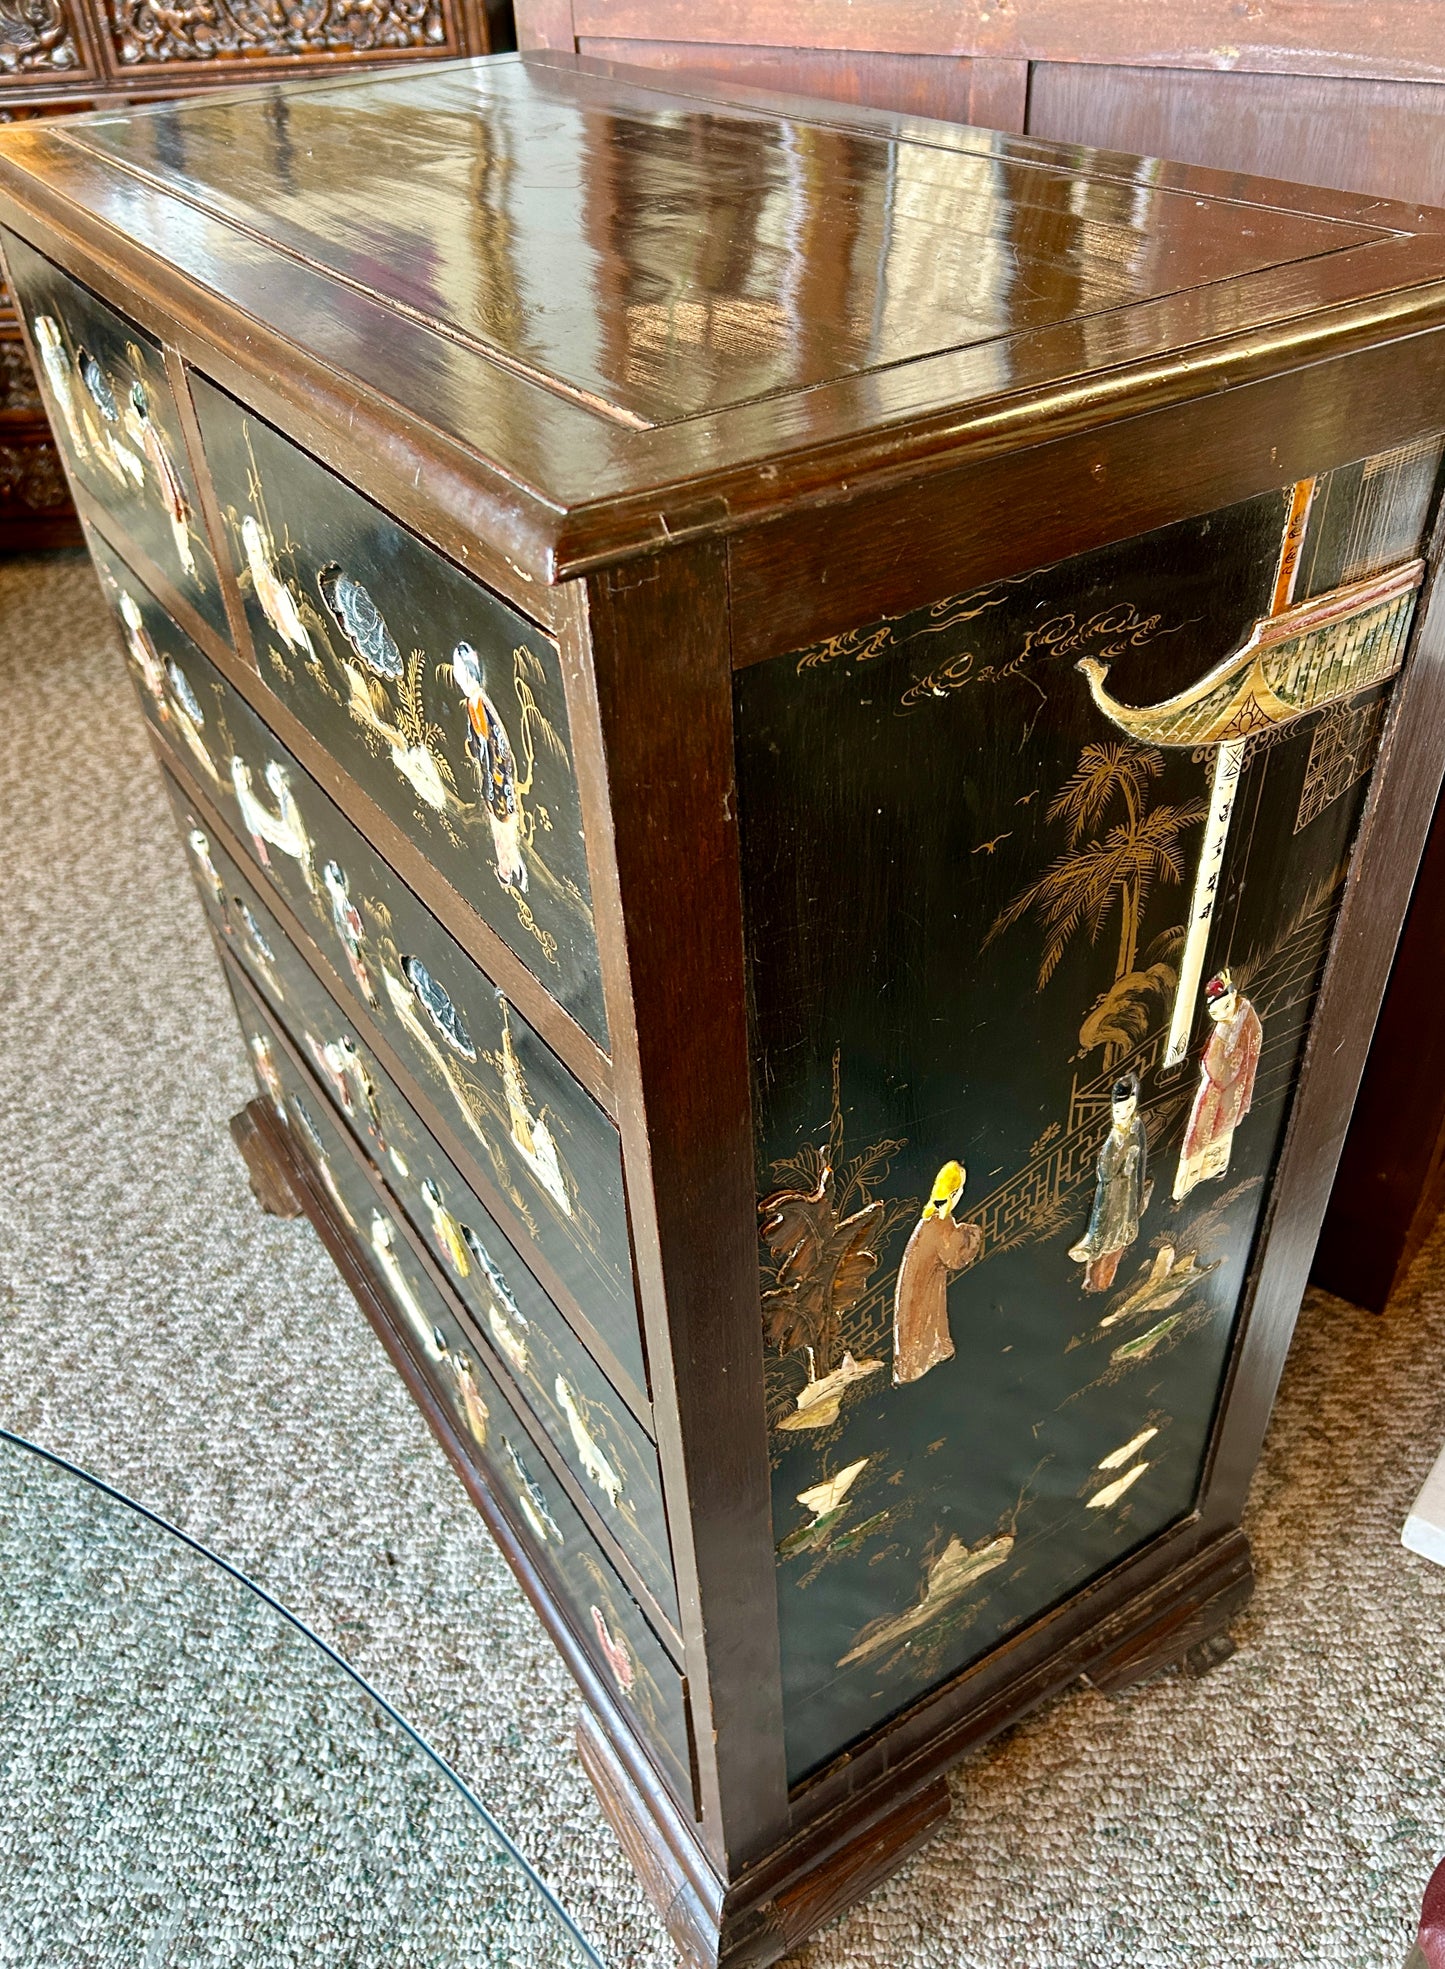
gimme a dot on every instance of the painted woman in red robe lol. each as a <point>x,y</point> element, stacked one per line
<point>938,1250</point>
<point>1226,1085</point>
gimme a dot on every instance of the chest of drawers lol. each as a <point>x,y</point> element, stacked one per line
<point>804,736</point>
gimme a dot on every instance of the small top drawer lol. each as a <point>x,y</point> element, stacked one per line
<point>436,696</point>
<point>115,420</point>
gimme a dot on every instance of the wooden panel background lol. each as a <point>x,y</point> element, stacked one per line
<point>1321,91</point>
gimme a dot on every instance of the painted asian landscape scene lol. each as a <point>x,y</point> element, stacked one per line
<point>1039,886</point>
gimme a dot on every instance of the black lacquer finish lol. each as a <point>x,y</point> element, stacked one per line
<point>543,1141</point>
<point>430,689</point>
<point>605,1616</point>
<point>982,596</point>
<point>968,1424</point>
<point>114,418</point>
<point>595,1432</point>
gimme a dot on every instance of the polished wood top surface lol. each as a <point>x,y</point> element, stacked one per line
<point>648,309</point>
<point>658,258</point>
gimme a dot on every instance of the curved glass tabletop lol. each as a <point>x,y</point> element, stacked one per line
<point>189,1777</point>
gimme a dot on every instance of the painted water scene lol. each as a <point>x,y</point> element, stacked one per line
<point>1073,845</point>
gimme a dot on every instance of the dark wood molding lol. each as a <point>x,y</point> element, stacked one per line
<point>271,1183</point>
<point>673,964</point>
<point>1138,1644</point>
<point>763,1916</point>
<point>985,520</point>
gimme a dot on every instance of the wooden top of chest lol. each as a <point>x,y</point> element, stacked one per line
<point>633,310</point>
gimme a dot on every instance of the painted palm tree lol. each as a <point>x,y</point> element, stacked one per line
<point>1080,888</point>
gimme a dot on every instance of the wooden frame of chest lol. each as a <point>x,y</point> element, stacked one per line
<point>812,991</point>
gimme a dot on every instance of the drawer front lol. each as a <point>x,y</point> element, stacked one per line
<point>434,694</point>
<point>532,1129</point>
<point>594,1432</point>
<point>409,1157</point>
<point>115,420</point>
<point>627,1652</point>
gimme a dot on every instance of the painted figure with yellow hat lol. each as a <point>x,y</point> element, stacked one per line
<point>937,1251</point>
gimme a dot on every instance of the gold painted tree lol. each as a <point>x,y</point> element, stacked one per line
<point>1080,888</point>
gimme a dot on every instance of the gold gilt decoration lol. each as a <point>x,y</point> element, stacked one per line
<point>1302,660</point>
<point>1299,658</point>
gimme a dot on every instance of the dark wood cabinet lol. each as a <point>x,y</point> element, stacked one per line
<point>805,737</point>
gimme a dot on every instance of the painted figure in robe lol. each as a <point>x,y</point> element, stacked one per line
<point>496,764</point>
<point>1122,1190</point>
<point>937,1251</point>
<point>1227,1069</point>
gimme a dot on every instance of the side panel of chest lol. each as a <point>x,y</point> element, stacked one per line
<point>1039,884</point>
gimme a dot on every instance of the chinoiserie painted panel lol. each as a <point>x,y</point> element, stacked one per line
<point>591,1427</point>
<point>611,1625</point>
<point>433,692</point>
<point>540,1137</point>
<point>1073,845</point>
<point>114,418</point>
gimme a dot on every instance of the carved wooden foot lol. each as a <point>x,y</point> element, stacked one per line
<point>1191,1631</point>
<point>1208,1654</point>
<point>771,1907</point>
<point>252,1131</point>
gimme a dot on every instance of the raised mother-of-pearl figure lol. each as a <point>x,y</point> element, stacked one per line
<point>937,1251</point>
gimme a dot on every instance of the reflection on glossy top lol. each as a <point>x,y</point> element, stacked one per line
<point>655,256</point>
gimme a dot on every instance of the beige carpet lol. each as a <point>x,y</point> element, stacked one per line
<point>158,1330</point>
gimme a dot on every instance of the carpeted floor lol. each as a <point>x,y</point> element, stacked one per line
<point>158,1330</point>
<point>187,1777</point>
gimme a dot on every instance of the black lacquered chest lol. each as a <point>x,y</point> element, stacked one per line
<point>804,736</point>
